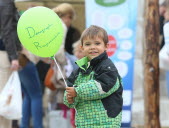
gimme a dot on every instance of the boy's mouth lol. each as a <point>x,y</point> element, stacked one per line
<point>93,53</point>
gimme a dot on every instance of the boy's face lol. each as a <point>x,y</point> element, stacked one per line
<point>93,47</point>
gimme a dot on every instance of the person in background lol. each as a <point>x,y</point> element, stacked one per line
<point>64,60</point>
<point>67,13</point>
<point>162,9</point>
<point>42,67</point>
<point>95,88</point>
<point>166,40</point>
<point>9,46</point>
<point>56,96</point>
<point>77,50</point>
<point>32,92</point>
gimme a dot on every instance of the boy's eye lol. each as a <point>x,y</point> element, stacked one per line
<point>97,43</point>
<point>87,44</point>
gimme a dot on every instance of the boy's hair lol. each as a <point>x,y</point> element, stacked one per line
<point>94,31</point>
<point>64,9</point>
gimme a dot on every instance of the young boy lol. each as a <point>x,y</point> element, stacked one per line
<point>95,88</point>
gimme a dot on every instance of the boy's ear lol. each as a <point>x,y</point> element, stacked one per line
<point>107,45</point>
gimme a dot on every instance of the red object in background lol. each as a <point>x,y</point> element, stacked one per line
<point>112,45</point>
<point>72,117</point>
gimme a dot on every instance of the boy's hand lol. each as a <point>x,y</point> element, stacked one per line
<point>70,99</point>
<point>71,91</point>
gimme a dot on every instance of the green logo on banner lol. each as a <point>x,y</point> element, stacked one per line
<point>109,3</point>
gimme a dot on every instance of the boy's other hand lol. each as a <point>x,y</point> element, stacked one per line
<point>71,91</point>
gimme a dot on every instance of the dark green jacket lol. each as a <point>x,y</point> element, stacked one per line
<point>99,93</point>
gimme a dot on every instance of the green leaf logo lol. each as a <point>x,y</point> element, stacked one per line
<point>109,3</point>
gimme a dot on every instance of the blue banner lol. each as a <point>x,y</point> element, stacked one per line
<point>118,17</point>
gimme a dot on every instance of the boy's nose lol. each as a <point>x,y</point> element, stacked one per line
<point>92,47</point>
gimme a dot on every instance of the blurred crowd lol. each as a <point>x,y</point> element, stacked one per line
<point>41,82</point>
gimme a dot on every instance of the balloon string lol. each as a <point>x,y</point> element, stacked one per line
<point>53,58</point>
<point>60,71</point>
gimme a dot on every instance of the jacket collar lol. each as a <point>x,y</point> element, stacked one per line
<point>84,62</point>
